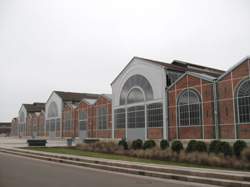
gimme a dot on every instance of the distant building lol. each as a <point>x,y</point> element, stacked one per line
<point>5,128</point>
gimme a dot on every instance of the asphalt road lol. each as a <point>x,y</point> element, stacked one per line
<point>16,171</point>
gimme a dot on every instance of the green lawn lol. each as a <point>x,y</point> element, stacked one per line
<point>74,151</point>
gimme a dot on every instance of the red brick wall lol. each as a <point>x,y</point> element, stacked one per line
<point>102,133</point>
<point>72,132</point>
<point>155,133</point>
<point>227,88</point>
<point>89,109</point>
<point>205,89</point>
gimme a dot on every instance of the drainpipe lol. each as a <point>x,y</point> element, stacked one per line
<point>216,124</point>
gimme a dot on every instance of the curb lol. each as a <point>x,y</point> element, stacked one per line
<point>228,180</point>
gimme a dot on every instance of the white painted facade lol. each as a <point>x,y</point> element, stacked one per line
<point>156,76</point>
<point>54,98</point>
<point>22,123</point>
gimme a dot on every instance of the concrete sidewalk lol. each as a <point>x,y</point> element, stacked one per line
<point>14,142</point>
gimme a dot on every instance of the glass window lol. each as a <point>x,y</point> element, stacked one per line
<point>83,120</point>
<point>68,121</point>
<point>102,118</point>
<point>243,98</point>
<point>135,95</point>
<point>57,124</point>
<point>22,117</point>
<point>52,124</point>
<point>189,108</point>
<point>119,118</point>
<point>53,110</point>
<point>155,115</point>
<point>136,81</point>
<point>136,117</point>
<point>47,126</point>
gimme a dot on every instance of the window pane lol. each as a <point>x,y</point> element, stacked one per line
<point>189,108</point>
<point>119,118</point>
<point>155,115</point>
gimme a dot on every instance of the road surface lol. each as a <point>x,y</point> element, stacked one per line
<point>16,171</point>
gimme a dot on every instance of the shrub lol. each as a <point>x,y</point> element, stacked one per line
<point>214,147</point>
<point>246,154</point>
<point>123,143</point>
<point>176,146</point>
<point>191,146</point>
<point>137,144</point>
<point>201,146</point>
<point>148,144</point>
<point>225,148</point>
<point>164,144</point>
<point>238,147</point>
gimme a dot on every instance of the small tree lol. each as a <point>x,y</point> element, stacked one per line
<point>238,147</point>
<point>176,146</point>
<point>164,144</point>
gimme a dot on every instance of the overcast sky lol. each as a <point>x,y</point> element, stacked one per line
<point>82,45</point>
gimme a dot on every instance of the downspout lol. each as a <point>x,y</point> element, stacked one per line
<point>216,114</point>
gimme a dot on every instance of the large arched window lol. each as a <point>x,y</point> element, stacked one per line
<point>189,108</point>
<point>243,101</point>
<point>138,81</point>
<point>52,110</point>
<point>135,95</point>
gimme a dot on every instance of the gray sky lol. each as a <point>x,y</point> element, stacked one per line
<point>82,45</point>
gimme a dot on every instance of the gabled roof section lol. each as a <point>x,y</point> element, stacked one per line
<point>108,96</point>
<point>179,66</point>
<point>35,107</point>
<point>197,75</point>
<point>235,66</point>
<point>198,68</point>
<point>75,97</point>
<point>89,101</point>
<point>159,63</point>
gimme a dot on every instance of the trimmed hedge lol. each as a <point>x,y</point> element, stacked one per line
<point>148,144</point>
<point>225,148</point>
<point>191,146</point>
<point>201,146</point>
<point>214,147</point>
<point>137,144</point>
<point>123,143</point>
<point>176,146</point>
<point>164,144</point>
<point>238,147</point>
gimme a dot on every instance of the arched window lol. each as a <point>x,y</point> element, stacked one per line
<point>22,117</point>
<point>189,108</point>
<point>135,95</point>
<point>136,81</point>
<point>52,110</point>
<point>243,101</point>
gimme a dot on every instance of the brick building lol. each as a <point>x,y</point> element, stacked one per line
<point>102,117</point>
<point>61,114</point>
<point>5,128</point>
<point>150,100</point>
<point>143,108</point>
<point>14,127</point>
<point>29,118</point>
